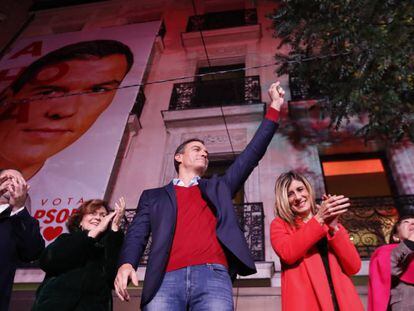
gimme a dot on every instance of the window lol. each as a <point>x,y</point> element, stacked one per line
<point>220,89</point>
<point>356,175</point>
<point>365,179</point>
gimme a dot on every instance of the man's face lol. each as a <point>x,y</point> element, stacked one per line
<point>36,130</point>
<point>194,158</point>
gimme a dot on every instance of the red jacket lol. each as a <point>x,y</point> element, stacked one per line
<point>380,270</point>
<point>380,278</point>
<point>304,282</point>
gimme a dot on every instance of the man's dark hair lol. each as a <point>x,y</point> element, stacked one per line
<point>81,50</point>
<point>180,150</point>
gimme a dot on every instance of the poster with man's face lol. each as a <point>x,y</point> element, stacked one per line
<point>64,103</point>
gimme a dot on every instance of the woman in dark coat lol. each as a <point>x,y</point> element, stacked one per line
<point>81,265</point>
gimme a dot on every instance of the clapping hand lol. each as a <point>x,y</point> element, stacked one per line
<point>331,208</point>
<point>119,214</point>
<point>14,188</point>
<point>103,225</point>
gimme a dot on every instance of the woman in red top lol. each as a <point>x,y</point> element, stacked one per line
<point>315,251</point>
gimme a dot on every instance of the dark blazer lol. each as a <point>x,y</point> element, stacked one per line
<point>157,212</point>
<point>20,239</point>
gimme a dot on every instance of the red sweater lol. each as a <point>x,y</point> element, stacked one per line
<point>195,240</point>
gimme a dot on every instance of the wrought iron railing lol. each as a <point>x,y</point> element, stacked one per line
<point>369,220</point>
<point>219,20</point>
<point>214,93</point>
<point>251,220</point>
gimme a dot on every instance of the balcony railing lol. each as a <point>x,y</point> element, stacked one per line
<point>214,93</point>
<point>219,20</point>
<point>369,221</point>
<point>251,220</point>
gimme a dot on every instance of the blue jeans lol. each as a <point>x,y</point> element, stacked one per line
<point>197,288</point>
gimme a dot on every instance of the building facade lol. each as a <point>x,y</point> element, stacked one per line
<point>207,77</point>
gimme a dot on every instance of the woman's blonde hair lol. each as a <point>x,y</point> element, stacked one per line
<point>282,206</point>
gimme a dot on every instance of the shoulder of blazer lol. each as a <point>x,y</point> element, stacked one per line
<point>156,194</point>
<point>157,191</point>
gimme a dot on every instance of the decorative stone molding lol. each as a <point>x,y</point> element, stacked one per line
<point>212,116</point>
<point>219,36</point>
<point>218,141</point>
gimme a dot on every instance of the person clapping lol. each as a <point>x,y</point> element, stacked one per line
<point>81,265</point>
<point>20,232</point>
<point>316,254</point>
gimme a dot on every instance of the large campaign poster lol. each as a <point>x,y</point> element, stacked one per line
<point>64,103</point>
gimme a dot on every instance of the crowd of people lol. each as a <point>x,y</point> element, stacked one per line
<point>198,247</point>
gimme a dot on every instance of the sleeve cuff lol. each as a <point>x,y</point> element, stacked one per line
<point>272,114</point>
<point>340,232</point>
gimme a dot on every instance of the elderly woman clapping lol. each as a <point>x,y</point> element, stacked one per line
<point>81,265</point>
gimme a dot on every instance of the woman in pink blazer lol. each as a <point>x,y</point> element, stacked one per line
<point>315,251</point>
<point>391,270</point>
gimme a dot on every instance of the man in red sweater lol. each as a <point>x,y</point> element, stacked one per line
<point>197,244</point>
